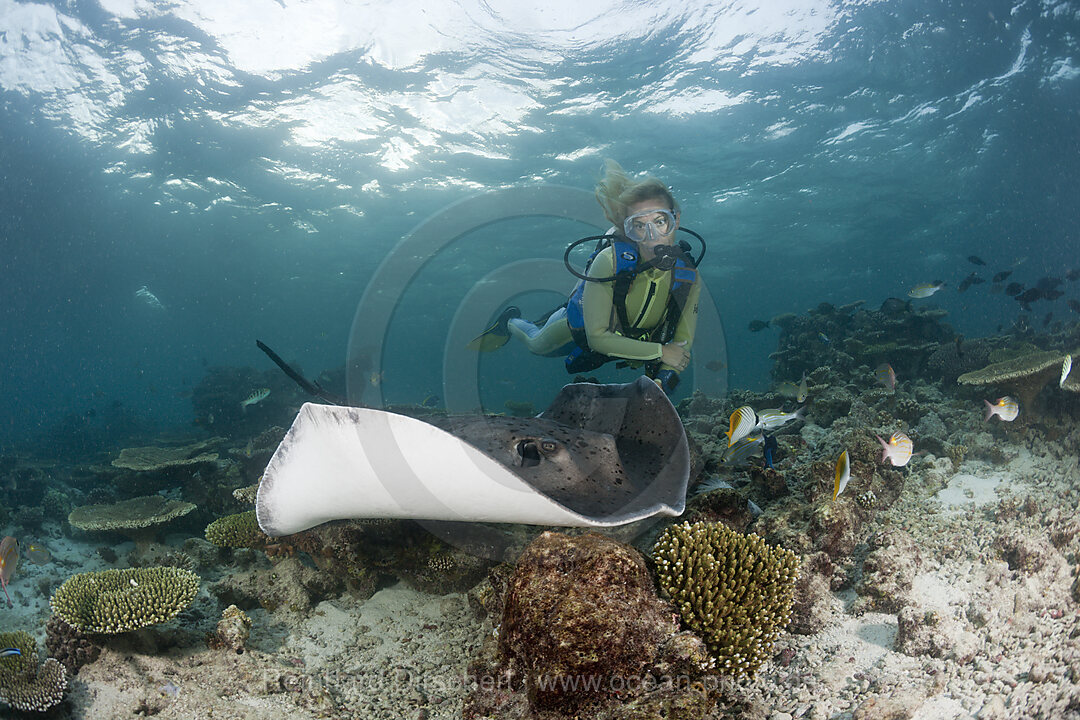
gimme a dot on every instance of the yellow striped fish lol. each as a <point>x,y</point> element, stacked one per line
<point>1005,408</point>
<point>886,376</point>
<point>743,422</point>
<point>842,475</point>
<point>897,450</point>
<point>743,450</point>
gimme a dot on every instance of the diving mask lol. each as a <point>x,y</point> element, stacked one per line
<point>649,225</point>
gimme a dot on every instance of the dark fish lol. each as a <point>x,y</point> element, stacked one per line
<point>1048,318</point>
<point>1072,275</point>
<point>976,280</point>
<point>1002,275</point>
<point>959,341</point>
<point>1014,288</point>
<point>1052,294</point>
<point>999,327</point>
<point>1047,284</point>
<point>758,325</point>
<point>1029,296</point>
<point>967,282</point>
<point>1073,305</point>
<point>975,260</point>
<point>715,365</point>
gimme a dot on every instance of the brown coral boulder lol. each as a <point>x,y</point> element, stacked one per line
<point>581,618</point>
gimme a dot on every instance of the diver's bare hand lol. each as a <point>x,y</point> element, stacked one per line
<point>675,355</point>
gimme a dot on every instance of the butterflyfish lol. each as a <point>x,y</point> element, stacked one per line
<point>1066,367</point>
<point>744,421</point>
<point>841,475</point>
<point>886,376</point>
<point>897,450</point>
<point>1005,408</point>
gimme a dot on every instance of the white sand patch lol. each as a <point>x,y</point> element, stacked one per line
<point>941,707</point>
<point>966,490</point>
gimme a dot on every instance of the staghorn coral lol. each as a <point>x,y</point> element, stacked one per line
<point>116,601</point>
<point>23,684</point>
<point>237,531</point>
<point>735,590</point>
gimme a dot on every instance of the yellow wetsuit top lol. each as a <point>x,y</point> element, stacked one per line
<point>646,306</point>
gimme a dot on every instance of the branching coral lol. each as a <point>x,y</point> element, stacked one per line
<point>735,590</point>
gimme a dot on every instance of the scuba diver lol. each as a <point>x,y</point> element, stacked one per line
<point>637,302</point>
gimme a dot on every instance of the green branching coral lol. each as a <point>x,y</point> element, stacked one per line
<point>734,590</point>
<point>238,531</point>
<point>23,684</point>
<point>116,601</point>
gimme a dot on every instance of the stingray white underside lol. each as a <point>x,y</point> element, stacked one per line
<point>348,463</point>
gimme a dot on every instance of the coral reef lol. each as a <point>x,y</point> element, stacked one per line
<point>1025,375</point>
<point>24,685</point>
<point>139,518</point>
<point>733,589</point>
<point>580,609</point>
<point>116,601</point>
<point>888,572</point>
<point>238,531</point>
<point>69,646</point>
<point>233,630</point>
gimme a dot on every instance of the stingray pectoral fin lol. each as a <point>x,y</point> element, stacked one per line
<point>340,463</point>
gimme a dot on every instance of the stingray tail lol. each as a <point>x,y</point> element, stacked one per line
<point>311,388</point>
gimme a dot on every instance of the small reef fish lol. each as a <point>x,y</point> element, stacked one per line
<point>1066,368</point>
<point>149,298</point>
<point>715,365</point>
<point>776,418</point>
<point>757,325</point>
<point>1073,275</point>
<point>1005,408</point>
<point>925,290</point>
<point>1073,305</point>
<point>801,395</point>
<point>975,260</point>
<point>886,376</point>
<point>8,652</point>
<point>38,554</point>
<point>897,450</point>
<point>256,396</point>
<point>791,390</point>
<point>744,421</point>
<point>972,279</point>
<point>841,475</point>
<point>1000,277</point>
<point>1014,288</point>
<point>9,560</point>
<point>824,338</point>
<point>742,450</point>
<point>376,378</point>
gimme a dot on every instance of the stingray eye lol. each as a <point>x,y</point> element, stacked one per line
<point>548,446</point>
<point>528,454</point>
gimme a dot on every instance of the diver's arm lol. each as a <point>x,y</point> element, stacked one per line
<point>687,321</point>
<point>597,305</point>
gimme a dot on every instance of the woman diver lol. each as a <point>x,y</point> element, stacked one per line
<point>637,302</point>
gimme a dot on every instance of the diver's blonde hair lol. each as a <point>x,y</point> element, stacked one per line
<point>616,191</point>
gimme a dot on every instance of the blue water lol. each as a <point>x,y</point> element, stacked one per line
<point>252,163</point>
